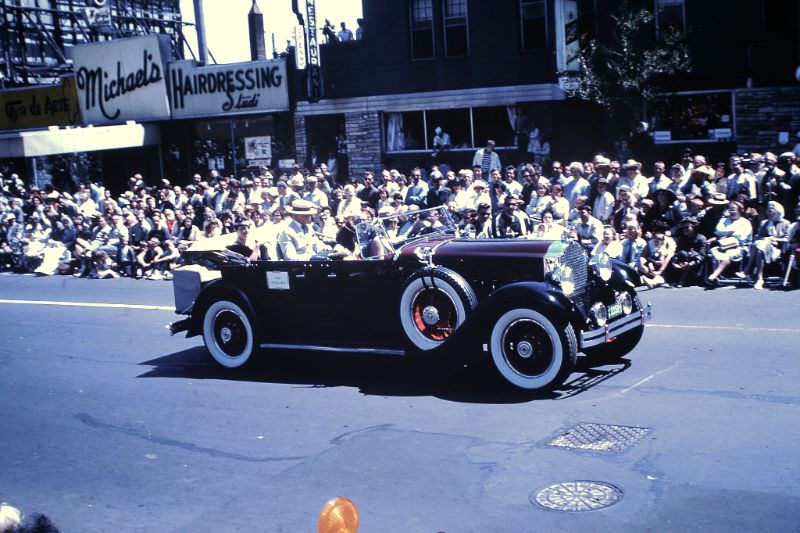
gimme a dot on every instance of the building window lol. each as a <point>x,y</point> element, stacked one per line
<point>670,17</point>
<point>700,116</point>
<point>453,122</point>
<point>493,123</point>
<point>405,131</point>
<point>534,24</point>
<point>456,35</point>
<point>465,127</point>
<point>421,29</point>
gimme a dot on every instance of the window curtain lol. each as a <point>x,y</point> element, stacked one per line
<point>394,132</point>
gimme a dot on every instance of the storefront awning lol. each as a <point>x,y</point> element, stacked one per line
<point>70,140</point>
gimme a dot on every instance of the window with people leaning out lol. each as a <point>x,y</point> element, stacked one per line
<point>441,130</point>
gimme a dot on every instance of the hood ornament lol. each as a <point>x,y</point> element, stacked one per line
<point>424,254</point>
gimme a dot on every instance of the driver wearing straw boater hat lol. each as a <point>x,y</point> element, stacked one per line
<point>298,240</point>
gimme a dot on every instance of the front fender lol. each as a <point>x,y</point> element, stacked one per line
<point>212,292</point>
<point>539,296</point>
<point>621,273</point>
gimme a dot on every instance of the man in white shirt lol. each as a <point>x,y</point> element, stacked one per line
<point>588,229</point>
<point>344,34</point>
<point>298,241</point>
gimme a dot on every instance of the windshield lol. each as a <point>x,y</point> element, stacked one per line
<point>380,237</point>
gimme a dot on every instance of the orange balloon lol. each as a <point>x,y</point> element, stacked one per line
<point>339,515</point>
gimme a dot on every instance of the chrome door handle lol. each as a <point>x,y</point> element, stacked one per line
<point>332,275</point>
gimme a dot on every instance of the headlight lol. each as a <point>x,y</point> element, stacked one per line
<point>599,314</point>
<point>602,265</point>
<point>563,275</point>
<point>627,303</point>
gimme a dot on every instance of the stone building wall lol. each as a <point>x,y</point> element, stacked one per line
<point>761,113</point>
<point>300,141</point>
<point>363,142</point>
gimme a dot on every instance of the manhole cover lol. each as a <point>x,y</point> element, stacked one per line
<point>576,496</point>
<point>599,437</point>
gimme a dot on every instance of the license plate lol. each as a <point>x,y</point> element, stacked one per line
<point>614,310</point>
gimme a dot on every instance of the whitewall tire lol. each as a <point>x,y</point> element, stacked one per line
<point>228,334</point>
<point>435,302</point>
<point>529,352</point>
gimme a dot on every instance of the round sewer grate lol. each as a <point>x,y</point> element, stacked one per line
<point>576,496</point>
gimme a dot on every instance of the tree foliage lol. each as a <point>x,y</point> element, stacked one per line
<point>627,73</point>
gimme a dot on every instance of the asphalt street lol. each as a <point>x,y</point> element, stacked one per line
<point>109,424</point>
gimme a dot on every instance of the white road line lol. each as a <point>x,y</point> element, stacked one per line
<point>90,304</point>
<point>681,326</point>
<point>648,378</point>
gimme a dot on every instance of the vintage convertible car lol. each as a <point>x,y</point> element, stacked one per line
<point>529,305</point>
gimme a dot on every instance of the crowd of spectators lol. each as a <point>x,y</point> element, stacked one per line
<point>677,224</point>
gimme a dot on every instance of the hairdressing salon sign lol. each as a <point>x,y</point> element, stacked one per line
<point>229,89</point>
<point>122,79</point>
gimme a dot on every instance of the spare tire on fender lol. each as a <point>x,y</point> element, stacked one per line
<point>435,301</point>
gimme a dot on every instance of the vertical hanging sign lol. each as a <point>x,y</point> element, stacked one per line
<point>314,73</point>
<point>299,34</point>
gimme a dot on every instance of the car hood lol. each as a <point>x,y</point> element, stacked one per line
<point>444,248</point>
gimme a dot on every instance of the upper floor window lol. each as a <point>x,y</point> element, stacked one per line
<point>456,36</point>
<point>670,17</point>
<point>534,24</point>
<point>421,29</point>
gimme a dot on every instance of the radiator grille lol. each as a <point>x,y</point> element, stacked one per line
<point>575,258</point>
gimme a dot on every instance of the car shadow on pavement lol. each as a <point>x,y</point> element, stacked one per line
<point>472,382</point>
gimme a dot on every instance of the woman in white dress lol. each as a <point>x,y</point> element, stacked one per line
<point>732,233</point>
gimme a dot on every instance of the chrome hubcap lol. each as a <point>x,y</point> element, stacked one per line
<point>225,334</point>
<point>524,349</point>
<point>430,315</point>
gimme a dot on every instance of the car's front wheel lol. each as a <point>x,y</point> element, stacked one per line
<point>228,333</point>
<point>530,352</point>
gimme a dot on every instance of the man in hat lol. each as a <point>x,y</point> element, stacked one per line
<point>634,179</point>
<point>298,241</point>
<point>480,194</point>
<point>690,253</point>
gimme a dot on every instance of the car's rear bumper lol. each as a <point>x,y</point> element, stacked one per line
<point>616,327</point>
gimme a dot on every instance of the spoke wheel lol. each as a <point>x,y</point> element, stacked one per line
<point>434,313</point>
<point>435,302</point>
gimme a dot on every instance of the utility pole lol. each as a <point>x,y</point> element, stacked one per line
<point>200,26</point>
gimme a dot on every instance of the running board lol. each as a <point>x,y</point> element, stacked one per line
<point>365,351</point>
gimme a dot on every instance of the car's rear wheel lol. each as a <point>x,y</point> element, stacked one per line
<point>434,303</point>
<point>530,352</point>
<point>228,333</point>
